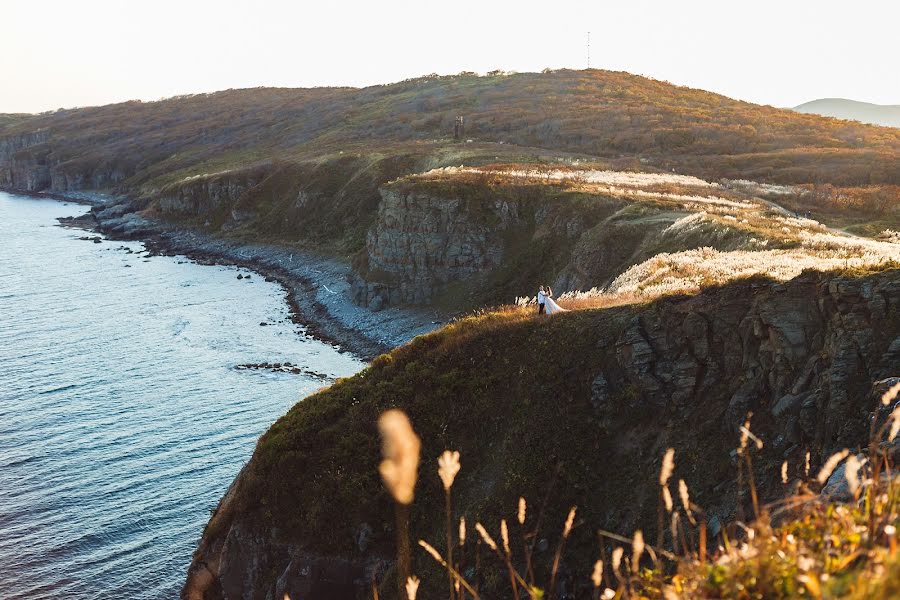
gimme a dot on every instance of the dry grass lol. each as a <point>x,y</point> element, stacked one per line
<point>800,546</point>
<point>779,245</point>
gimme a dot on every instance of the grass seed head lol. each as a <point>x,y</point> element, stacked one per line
<point>462,531</point>
<point>637,549</point>
<point>504,536</point>
<point>486,536</point>
<point>412,587</point>
<point>830,465</point>
<point>448,467</point>
<point>889,395</point>
<point>567,528</point>
<point>895,424</point>
<point>685,500</point>
<point>617,558</point>
<point>432,551</point>
<point>522,508</point>
<point>400,447</point>
<point>851,473</point>
<point>784,472</point>
<point>668,465</point>
<point>597,575</point>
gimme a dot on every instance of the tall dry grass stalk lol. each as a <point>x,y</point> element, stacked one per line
<point>520,517</point>
<point>626,574</point>
<point>516,579</point>
<point>833,461</point>
<point>504,537</point>
<point>665,497</point>
<point>456,575</point>
<point>745,461</point>
<point>448,468</point>
<point>567,529</point>
<point>399,470</point>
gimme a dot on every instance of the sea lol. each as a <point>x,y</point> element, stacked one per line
<point>125,412</point>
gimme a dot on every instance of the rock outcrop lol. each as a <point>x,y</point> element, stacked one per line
<point>799,355</point>
<point>425,239</point>
<point>23,161</point>
<point>421,242</point>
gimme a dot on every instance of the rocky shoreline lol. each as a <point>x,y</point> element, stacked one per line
<point>318,288</point>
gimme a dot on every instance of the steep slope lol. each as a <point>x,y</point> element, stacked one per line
<point>853,110</point>
<point>576,408</point>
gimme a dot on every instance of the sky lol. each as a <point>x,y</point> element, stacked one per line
<point>67,53</point>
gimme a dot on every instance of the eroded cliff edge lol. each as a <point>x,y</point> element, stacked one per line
<point>593,396</point>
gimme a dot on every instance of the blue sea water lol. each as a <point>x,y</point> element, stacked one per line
<point>122,416</point>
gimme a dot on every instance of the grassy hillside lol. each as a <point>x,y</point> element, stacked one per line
<point>576,409</point>
<point>600,113</point>
<point>306,167</point>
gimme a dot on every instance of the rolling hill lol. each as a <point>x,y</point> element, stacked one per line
<point>853,110</point>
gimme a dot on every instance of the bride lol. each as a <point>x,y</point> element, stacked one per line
<point>551,307</point>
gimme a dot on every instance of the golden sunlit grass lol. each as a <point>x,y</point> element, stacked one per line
<point>803,545</point>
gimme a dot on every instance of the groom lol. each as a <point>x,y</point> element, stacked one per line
<point>541,300</point>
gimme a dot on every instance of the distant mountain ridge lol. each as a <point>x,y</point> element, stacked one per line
<point>853,110</point>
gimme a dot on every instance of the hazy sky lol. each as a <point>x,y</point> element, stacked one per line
<point>64,53</point>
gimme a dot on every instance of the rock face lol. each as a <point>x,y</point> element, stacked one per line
<point>420,243</point>
<point>424,240</point>
<point>29,163</point>
<point>22,169</point>
<point>207,196</point>
<point>505,240</point>
<point>798,355</point>
<point>682,372</point>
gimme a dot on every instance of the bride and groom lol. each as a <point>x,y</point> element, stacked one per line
<point>546,305</point>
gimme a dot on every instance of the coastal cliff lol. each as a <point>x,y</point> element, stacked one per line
<point>333,171</point>
<point>308,517</point>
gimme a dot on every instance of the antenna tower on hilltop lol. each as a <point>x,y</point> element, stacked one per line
<point>589,49</point>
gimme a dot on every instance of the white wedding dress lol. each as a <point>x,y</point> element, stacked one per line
<point>551,307</point>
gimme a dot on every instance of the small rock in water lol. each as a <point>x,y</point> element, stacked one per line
<point>240,276</point>
<point>263,324</point>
